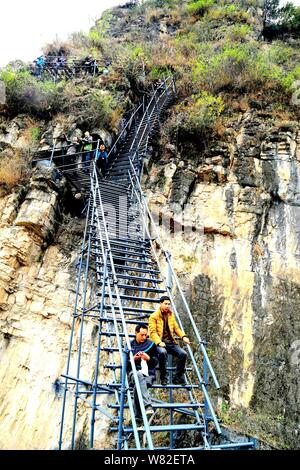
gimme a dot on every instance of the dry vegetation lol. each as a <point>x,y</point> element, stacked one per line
<point>13,169</point>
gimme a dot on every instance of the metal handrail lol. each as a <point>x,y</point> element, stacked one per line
<point>66,146</point>
<point>146,113</point>
<point>143,202</point>
<point>125,127</point>
<point>169,290</point>
<point>54,157</point>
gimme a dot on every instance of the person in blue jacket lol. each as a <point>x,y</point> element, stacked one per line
<point>145,358</point>
<point>39,65</point>
<point>101,158</point>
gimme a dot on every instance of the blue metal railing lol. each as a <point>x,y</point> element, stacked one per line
<point>146,212</point>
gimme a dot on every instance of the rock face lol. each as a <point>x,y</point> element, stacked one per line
<point>238,261</point>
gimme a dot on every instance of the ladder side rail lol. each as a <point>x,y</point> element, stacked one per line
<point>144,203</point>
<point>105,275</point>
<point>128,125</point>
<point>203,387</point>
<point>121,312</point>
<point>155,109</point>
<point>129,399</point>
<point>80,269</point>
<point>85,283</point>
<point>94,182</point>
<point>122,399</point>
<point>147,130</point>
<point>112,354</point>
<point>146,113</point>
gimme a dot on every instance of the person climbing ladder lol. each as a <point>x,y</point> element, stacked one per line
<point>101,158</point>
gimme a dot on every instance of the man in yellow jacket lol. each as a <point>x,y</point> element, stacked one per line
<point>162,328</point>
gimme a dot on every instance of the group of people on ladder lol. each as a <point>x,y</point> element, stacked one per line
<point>81,150</point>
<point>153,351</point>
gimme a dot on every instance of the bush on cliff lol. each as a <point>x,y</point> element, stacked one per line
<point>199,7</point>
<point>25,94</point>
<point>196,116</point>
<point>97,108</point>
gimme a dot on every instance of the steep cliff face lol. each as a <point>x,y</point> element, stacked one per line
<point>238,260</point>
<point>37,290</point>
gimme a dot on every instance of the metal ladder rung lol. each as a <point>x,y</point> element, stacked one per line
<point>129,260</point>
<point>140,321</point>
<point>136,278</point>
<point>164,428</point>
<point>134,268</point>
<point>186,387</point>
<point>133,298</point>
<point>137,288</point>
<point>113,333</point>
<point>168,405</point>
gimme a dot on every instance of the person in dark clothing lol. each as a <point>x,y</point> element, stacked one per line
<point>101,157</point>
<point>145,358</point>
<point>87,66</point>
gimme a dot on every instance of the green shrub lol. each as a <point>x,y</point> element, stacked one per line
<point>35,134</point>
<point>245,67</point>
<point>281,54</point>
<point>101,110</point>
<point>200,113</point>
<point>199,7</point>
<point>240,32</point>
<point>289,80</point>
<point>25,94</point>
<point>232,12</point>
<point>229,68</point>
<point>131,63</point>
<point>159,72</point>
<point>141,8</point>
<point>94,38</point>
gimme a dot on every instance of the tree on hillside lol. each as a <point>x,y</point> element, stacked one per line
<point>280,21</point>
<point>290,18</point>
<point>271,11</point>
